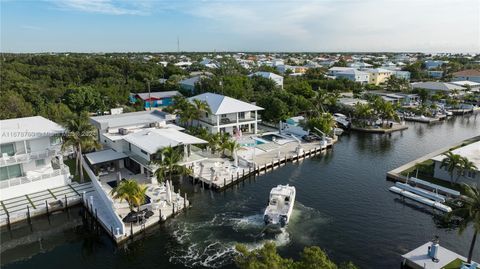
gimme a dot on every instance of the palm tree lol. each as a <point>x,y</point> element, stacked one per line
<point>232,147</point>
<point>224,141</point>
<point>167,160</point>
<point>451,162</point>
<point>130,191</point>
<point>214,142</point>
<point>200,107</point>
<point>80,136</point>
<point>456,162</point>
<point>469,213</point>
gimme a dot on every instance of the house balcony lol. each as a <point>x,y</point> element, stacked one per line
<point>33,176</point>
<point>228,121</point>
<point>26,157</point>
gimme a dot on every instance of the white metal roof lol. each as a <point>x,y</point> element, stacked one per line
<point>220,104</point>
<point>130,119</point>
<point>104,156</point>
<point>269,75</point>
<point>471,151</point>
<point>438,86</point>
<point>153,139</point>
<point>27,128</point>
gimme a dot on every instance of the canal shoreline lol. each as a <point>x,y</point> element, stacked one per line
<point>396,174</point>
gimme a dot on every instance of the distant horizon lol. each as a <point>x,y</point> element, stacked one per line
<point>108,26</point>
<point>240,51</point>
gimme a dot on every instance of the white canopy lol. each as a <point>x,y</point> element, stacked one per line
<point>103,156</point>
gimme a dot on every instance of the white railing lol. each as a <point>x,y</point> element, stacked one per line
<point>64,170</point>
<point>117,224</point>
<point>25,157</point>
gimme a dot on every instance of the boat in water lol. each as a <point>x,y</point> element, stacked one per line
<point>280,205</point>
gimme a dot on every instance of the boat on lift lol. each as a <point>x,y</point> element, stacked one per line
<point>280,205</point>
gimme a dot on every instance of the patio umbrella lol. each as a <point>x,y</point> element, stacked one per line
<point>169,192</point>
<point>119,177</point>
<point>201,169</point>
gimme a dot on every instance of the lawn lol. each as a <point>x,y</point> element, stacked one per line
<point>71,164</point>
<point>455,264</point>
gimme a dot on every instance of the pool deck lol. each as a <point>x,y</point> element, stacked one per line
<point>220,173</point>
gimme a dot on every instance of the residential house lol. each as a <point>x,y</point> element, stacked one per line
<point>378,76</point>
<point>228,114</point>
<point>154,99</point>
<point>269,75</point>
<point>435,74</point>
<point>402,75</point>
<point>132,139</point>
<point>359,65</point>
<point>189,83</point>
<point>431,64</point>
<point>472,152</point>
<point>334,70</point>
<point>30,157</point>
<point>470,75</point>
<point>354,75</point>
<point>434,87</point>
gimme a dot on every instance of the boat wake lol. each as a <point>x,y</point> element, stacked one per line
<point>212,243</point>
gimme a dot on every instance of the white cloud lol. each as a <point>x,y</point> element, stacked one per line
<point>110,7</point>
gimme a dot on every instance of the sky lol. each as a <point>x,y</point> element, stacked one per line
<point>243,25</point>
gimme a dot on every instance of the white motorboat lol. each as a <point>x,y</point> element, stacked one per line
<point>280,205</point>
<point>338,131</point>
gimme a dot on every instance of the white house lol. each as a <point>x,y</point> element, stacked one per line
<point>269,75</point>
<point>472,152</point>
<point>30,157</point>
<point>132,139</point>
<point>354,75</point>
<point>228,114</point>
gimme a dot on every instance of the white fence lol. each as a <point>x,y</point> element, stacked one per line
<point>107,214</point>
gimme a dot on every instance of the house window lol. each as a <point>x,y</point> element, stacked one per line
<point>129,147</point>
<point>11,171</point>
<point>144,152</point>
<point>40,163</point>
<point>224,115</point>
<point>241,115</point>
<point>8,149</point>
<point>55,140</point>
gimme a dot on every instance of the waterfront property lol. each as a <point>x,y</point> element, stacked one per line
<point>472,153</point>
<point>228,115</point>
<point>154,99</point>
<point>30,157</point>
<point>132,141</point>
<point>138,136</point>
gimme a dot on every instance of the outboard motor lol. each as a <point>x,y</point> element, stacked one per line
<point>283,220</point>
<point>267,219</point>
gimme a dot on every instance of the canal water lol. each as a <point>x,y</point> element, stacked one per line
<point>343,205</point>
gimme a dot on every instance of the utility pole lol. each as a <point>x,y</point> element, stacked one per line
<point>149,93</point>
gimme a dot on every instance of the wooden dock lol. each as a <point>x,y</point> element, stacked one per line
<point>263,165</point>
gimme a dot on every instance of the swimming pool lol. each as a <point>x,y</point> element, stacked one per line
<point>251,143</point>
<point>270,137</point>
